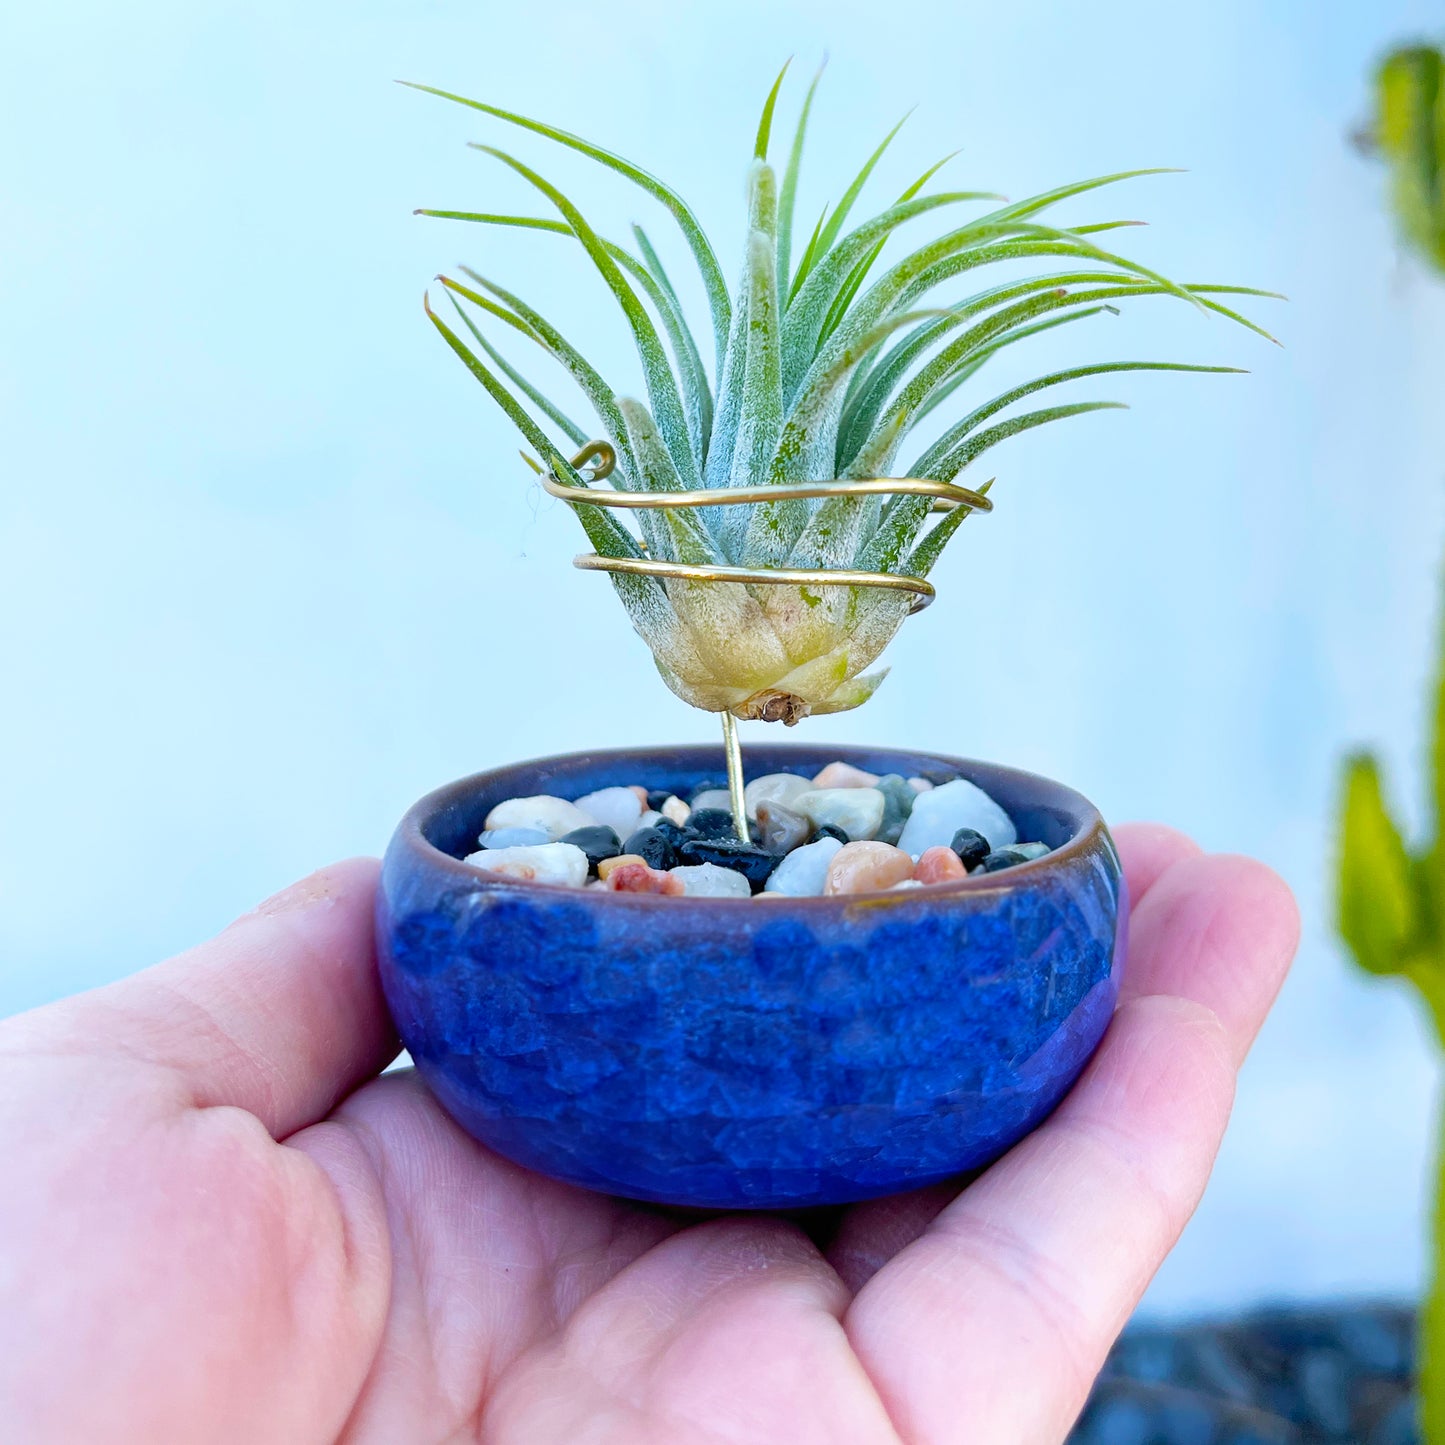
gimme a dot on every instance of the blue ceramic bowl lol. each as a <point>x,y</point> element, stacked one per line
<point>736,1054</point>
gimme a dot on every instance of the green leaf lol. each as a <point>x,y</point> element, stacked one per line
<point>840,211</point>
<point>662,387</point>
<point>606,535</point>
<point>685,532</point>
<point>559,418</point>
<point>926,553</point>
<point>1377,907</point>
<point>788,198</point>
<point>765,124</point>
<point>712,277</point>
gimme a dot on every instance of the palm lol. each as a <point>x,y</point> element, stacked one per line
<point>179,1275</point>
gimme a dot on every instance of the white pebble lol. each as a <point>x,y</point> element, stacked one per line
<point>1030,850</point>
<point>514,838</point>
<point>857,811</point>
<point>941,812</point>
<point>549,863</point>
<point>906,883</point>
<point>779,788</point>
<point>650,819</point>
<point>707,880</point>
<point>615,808</point>
<point>552,816</point>
<point>844,775</point>
<point>920,785</point>
<point>804,871</point>
<point>675,810</point>
<point>713,798</point>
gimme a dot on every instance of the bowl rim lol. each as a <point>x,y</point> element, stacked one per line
<point>1090,831</point>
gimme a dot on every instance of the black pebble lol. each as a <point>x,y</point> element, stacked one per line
<point>596,840</point>
<point>754,863</point>
<point>828,830</point>
<point>711,823</point>
<point>673,832</point>
<point>971,847</point>
<point>653,846</point>
<point>1001,858</point>
<point>657,797</point>
<point>937,776</point>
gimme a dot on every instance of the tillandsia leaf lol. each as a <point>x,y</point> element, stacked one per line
<point>765,123</point>
<point>712,277</point>
<point>930,547</point>
<point>860,272</point>
<point>805,264</point>
<point>609,538</point>
<point>696,394</point>
<point>813,300</point>
<point>662,387</point>
<point>698,390</point>
<point>753,344</point>
<point>582,372</point>
<point>850,196</point>
<point>549,409</point>
<point>1377,907</point>
<point>688,541</point>
<point>787,198</point>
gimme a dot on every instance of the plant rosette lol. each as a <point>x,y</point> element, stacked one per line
<point>812,996</point>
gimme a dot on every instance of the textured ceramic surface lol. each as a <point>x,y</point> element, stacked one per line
<point>732,1053</point>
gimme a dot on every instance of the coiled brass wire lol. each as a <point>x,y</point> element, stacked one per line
<point>599,460</point>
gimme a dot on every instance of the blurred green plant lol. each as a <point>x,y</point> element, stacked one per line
<point>1408,131</point>
<point>1391,897</point>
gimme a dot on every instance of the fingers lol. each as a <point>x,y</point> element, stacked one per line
<point>1148,851</point>
<point>1012,1295</point>
<point>281,1014</point>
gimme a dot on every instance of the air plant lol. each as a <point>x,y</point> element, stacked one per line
<point>824,361</point>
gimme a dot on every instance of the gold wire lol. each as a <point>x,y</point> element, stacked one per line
<point>733,752</point>
<point>603,459</point>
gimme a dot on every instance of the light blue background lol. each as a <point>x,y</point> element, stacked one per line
<point>271,567</point>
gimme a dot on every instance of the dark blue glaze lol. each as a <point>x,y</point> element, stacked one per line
<point>738,1054</point>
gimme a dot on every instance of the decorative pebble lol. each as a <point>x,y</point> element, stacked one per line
<point>804,871</point>
<point>844,775</point>
<point>939,813</point>
<point>637,877</point>
<point>972,848</point>
<point>940,865</point>
<point>610,865</point>
<point>857,811</point>
<point>1031,850</point>
<point>650,819</point>
<point>898,800</point>
<point>920,785</point>
<point>711,785</point>
<point>656,797</point>
<point>546,863</point>
<point>711,823</point>
<point>552,816</point>
<point>616,808</point>
<point>754,863</point>
<point>641,795</point>
<point>828,830</point>
<point>906,883</point>
<point>867,867</point>
<point>781,788</point>
<point>674,809</point>
<point>780,828</point>
<point>597,842</point>
<point>1001,858</point>
<point>651,846</point>
<point>707,880</point>
<point>513,838</point>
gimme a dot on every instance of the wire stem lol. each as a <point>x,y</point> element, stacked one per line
<point>732,751</point>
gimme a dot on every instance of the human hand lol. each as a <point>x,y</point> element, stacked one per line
<point>217,1225</point>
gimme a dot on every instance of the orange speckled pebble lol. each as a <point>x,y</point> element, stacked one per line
<point>844,775</point>
<point>939,865</point>
<point>867,868</point>
<point>635,876</point>
<point>608,865</point>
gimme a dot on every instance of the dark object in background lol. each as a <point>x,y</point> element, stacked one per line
<point>1316,1376</point>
